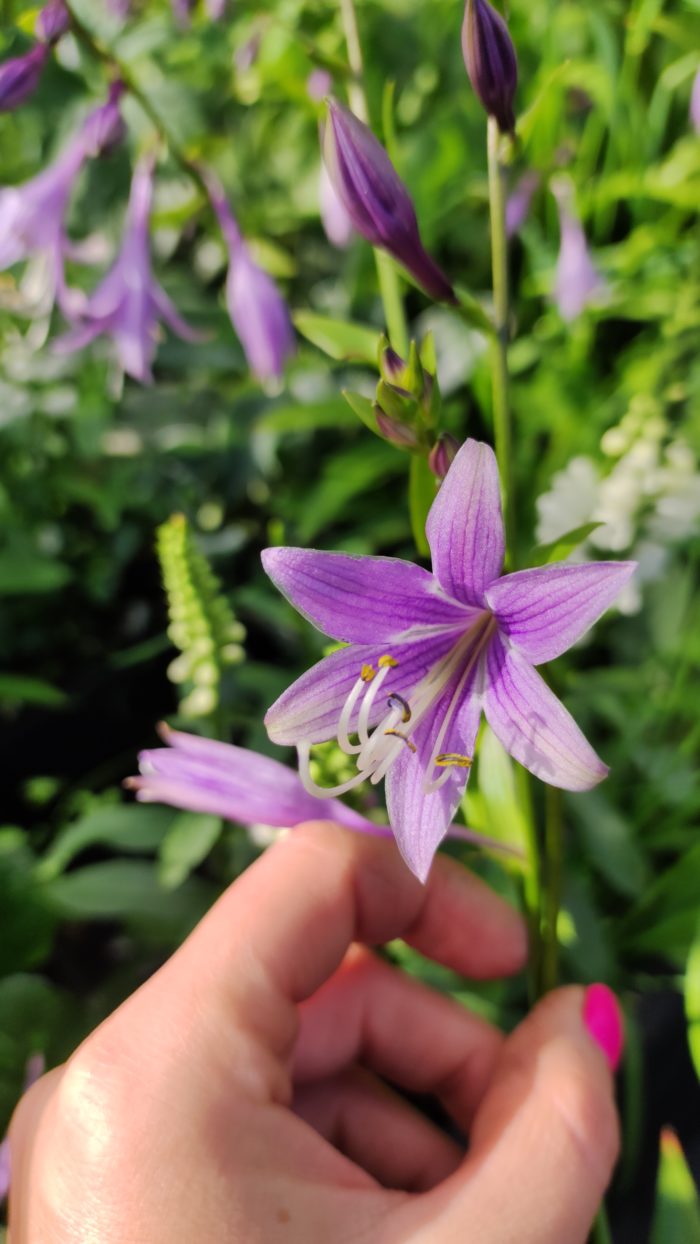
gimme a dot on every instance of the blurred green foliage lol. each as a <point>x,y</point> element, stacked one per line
<point>94,890</point>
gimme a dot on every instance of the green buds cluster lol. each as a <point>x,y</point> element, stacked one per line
<point>407,401</point>
<point>202,624</point>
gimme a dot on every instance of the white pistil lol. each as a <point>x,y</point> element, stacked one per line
<point>377,750</point>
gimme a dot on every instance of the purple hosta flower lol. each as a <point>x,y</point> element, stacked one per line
<point>33,1070</point>
<point>318,85</point>
<point>128,303</point>
<point>577,280</point>
<point>182,11</point>
<point>695,103</point>
<point>20,76</point>
<point>520,201</point>
<point>491,62</point>
<point>32,215</point>
<point>52,22</point>
<point>336,222</point>
<point>376,199</point>
<point>429,652</point>
<point>202,775</point>
<point>257,309</point>
<point>215,9</point>
<point>120,9</point>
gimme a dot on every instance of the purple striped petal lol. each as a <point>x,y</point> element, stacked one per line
<point>309,710</point>
<point>239,785</point>
<point>545,610</point>
<point>421,821</point>
<point>533,725</point>
<point>361,599</point>
<point>465,527</point>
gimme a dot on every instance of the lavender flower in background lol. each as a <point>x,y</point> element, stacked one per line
<point>182,11</point>
<point>215,9</point>
<point>32,215</point>
<point>337,225</point>
<point>577,280</point>
<point>128,303</point>
<point>318,85</point>
<point>257,309</point>
<point>120,9</point>
<point>52,22</point>
<point>520,201</point>
<point>34,1069</point>
<point>429,652</point>
<point>376,199</point>
<point>695,103</point>
<point>20,76</point>
<point>490,61</point>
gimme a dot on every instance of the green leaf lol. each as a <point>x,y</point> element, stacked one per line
<point>188,841</point>
<point>18,689</point>
<point>339,338</point>
<point>691,994</point>
<point>421,494</point>
<point>129,890</point>
<point>133,827</point>
<point>471,311</point>
<point>20,575</point>
<point>664,921</point>
<point>558,550</point>
<point>492,806</point>
<point>364,409</point>
<point>677,1214</point>
<point>331,413</point>
<point>610,843</point>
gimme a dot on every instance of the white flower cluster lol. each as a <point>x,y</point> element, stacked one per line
<point>646,503</point>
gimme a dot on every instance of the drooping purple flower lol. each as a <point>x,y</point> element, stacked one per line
<point>376,199</point>
<point>204,775</point>
<point>33,1070</point>
<point>429,652</point>
<point>490,60</point>
<point>318,84</point>
<point>577,280</point>
<point>695,103</point>
<point>519,202</point>
<point>128,302</point>
<point>52,22</point>
<point>257,309</point>
<point>20,76</point>
<point>32,215</point>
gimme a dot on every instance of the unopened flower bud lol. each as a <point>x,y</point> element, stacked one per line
<point>52,22</point>
<point>442,455</point>
<point>399,434</point>
<point>491,63</point>
<point>376,199</point>
<point>392,366</point>
<point>20,76</point>
<point>104,128</point>
<point>337,224</point>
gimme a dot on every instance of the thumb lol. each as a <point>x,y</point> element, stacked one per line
<point>545,1139</point>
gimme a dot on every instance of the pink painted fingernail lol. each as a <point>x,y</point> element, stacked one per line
<point>601,1015</point>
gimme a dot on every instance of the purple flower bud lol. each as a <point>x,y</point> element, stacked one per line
<point>20,76</point>
<point>577,280</point>
<point>399,434</point>
<point>376,199</point>
<point>491,63</point>
<point>336,222</point>
<point>318,84</point>
<point>520,201</point>
<point>442,455</point>
<point>257,309</point>
<point>695,103</point>
<point>52,22</point>
<point>392,367</point>
<point>105,128</point>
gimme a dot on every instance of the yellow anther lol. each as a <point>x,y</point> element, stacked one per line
<point>398,735</point>
<point>387,660</point>
<point>367,673</point>
<point>397,701</point>
<point>454,758</point>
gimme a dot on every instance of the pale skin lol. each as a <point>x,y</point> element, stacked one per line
<point>237,1095</point>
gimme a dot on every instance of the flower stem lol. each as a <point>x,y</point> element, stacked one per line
<point>389,280</point>
<point>601,1228</point>
<point>499,349</point>
<point>553,833</point>
<point>88,40</point>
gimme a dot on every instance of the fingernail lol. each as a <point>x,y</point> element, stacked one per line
<point>601,1015</point>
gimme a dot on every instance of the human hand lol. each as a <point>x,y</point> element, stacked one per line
<point>239,1095</point>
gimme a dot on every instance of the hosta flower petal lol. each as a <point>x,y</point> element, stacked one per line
<point>420,821</point>
<point>533,725</point>
<point>465,527</point>
<point>361,599</point>
<point>309,710</point>
<point>545,610</point>
<point>203,775</point>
